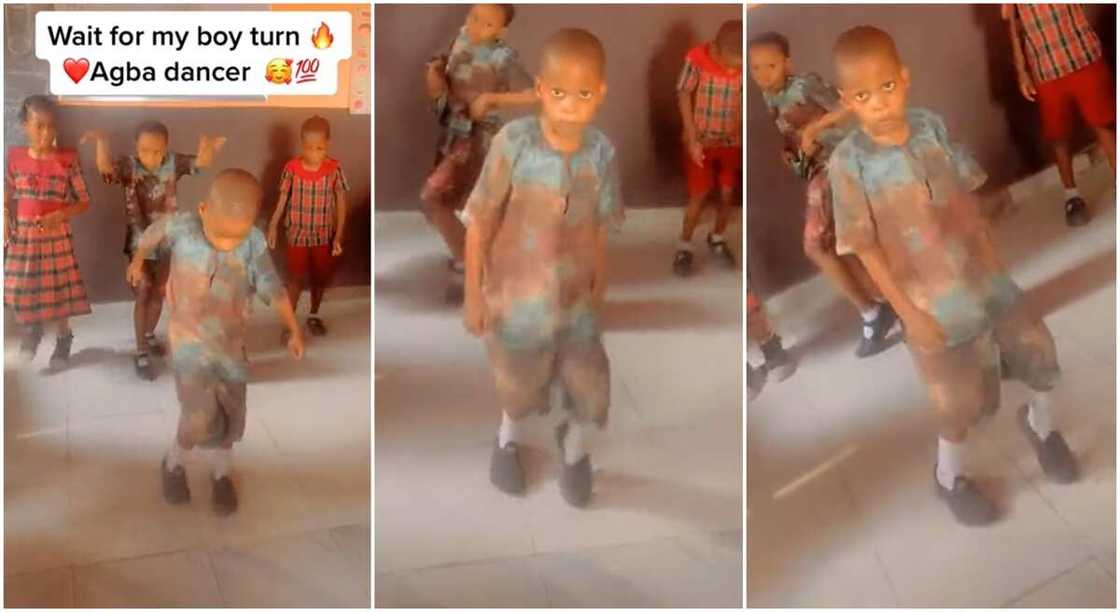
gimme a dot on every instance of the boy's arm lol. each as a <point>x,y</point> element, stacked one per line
<point>281,204</point>
<point>341,206</point>
<point>810,132</point>
<point>208,146</point>
<point>434,77</point>
<point>922,330</point>
<point>149,241</point>
<point>1026,83</point>
<point>686,84</point>
<point>481,216</point>
<point>103,156</point>
<point>599,281</point>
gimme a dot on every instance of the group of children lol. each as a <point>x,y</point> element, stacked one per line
<point>209,263</point>
<point>895,223</point>
<point>525,208</point>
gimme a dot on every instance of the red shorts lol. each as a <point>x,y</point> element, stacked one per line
<point>316,261</point>
<point>1090,89</point>
<point>722,162</point>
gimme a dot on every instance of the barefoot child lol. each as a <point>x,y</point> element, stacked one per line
<point>710,97</point>
<point>219,261</point>
<point>1067,71</point>
<point>537,226</point>
<point>313,202</point>
<point>44,185</point>
<point>807,113</point>
<point>467,85</point>
<point>149,178</point>
<point>904,204</point>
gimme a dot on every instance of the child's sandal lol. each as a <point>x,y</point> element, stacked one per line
<point>315,324</point>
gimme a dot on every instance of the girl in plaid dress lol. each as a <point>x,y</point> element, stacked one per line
<point>313,194</point>
<point>44,184</point>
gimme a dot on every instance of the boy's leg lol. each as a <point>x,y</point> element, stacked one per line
<point>157,290</point>
<point>1056,100</point>
<point>299,267</point>
<point>699,182</point>
<point>963,385</point>
<point>761,333</point>
<point>231,395</point>
<point>522,379</point>
<point>1028,352</point>
<point>584,371</point>
<point>64,340</point>
<point>730,162</point>
<point>1096,99</point>
<point>438,193</point>
<point>322,270</point>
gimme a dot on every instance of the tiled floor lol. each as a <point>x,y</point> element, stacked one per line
<point>85,524</point>
<point>840,500</point>
<point>665,525</point>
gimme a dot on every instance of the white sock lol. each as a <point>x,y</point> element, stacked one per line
<point>1072,192</point>
<point>715,238</point>
<point>1038,415</point>
<point>508,431</point>
<point>950,462</point>
<point>574,442</point>
<point>221,461</point>
<point>685,245</point>
<point>175,455</point>
<point>871,313</point>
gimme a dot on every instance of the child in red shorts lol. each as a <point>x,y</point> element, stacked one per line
<point>313,194</point>
<point>1066,69</point>
<point>710,93</point>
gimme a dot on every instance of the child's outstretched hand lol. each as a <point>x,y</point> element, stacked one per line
<point>295,345</point>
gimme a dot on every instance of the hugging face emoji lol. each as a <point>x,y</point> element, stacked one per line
<point>278,71</point>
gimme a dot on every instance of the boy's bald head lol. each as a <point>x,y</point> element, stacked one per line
<point>729,38</point>
<point>863,42</point>
<point>235,193</point>
<point>576,45</point>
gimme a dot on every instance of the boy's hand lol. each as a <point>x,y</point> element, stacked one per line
<point>474,314</point>
<point>93,135</point>
<point>924,332</point>
<point>1026,86</point>
<point>696,152</point>
<point>336,248</point>
<point>50,221</point>
<point>211,143</point>
<point>272,232</point>
<point>295,344</point>
<point>434,74</point>
<point>135,273</point>
<point>480,106</point>
<point>809,141</point>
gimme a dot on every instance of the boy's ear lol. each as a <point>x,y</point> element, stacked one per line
<point>538,87</point>
<point>904,76</point>
<point>603,89</point>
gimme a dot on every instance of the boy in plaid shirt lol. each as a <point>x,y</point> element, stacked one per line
<point>313,193</point>
<point>710,96</point>
<point>1060,63</point>
<point>149,178</point>
<point>807,113</point>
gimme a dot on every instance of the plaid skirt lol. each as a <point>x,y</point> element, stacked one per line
<point>41,277</point>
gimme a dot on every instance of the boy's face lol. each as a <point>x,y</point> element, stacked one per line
<point>874,88</point>
<point>40,130</point>
<point>226,231</point>
<point>769,66</point>
<point>485,23</point>
<point>150,150</point>
<point>570,91</point>
<point>313,147</point>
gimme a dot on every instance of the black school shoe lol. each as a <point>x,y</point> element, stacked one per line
<point>778,362</point>
<point>175,489</point>
<point>721,252</point>
<point>224,497</point>
<point>1077,212</point>
<point>1057,461</point>
<point>61,355</point>
<point>756,380</point>
<point>873,334</point>
<point>968,504</point>
<point>505,469</point>
<point>575,480</point>
<point>682,263</point>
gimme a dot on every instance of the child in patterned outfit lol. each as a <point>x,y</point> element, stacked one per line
<point>467,85</point>
<point>807,113</point>
<point>710,96</point>
<point>904,204</point>
<point>537,225</point>
<point>149,178</point>
<point>219,261</point>
<point>44,185</point>
<point>1067,70</point>
<point>313,192</point>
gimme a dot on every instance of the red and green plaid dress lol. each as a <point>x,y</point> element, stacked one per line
<point>41,277</point>
<point>311,205</point>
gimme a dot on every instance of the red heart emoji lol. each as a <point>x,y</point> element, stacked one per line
<point>76,69</point>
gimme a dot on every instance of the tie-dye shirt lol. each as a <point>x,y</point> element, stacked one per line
<point>210,293</point>
<point>149,195</point>
<point>473,70</point>
<point>916,203</point>
<point>804,99</point>
<point>542,214</point>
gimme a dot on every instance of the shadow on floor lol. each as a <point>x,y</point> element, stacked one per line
<point>1069,286</point>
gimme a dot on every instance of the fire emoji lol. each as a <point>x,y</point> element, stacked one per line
<point>322,38</point>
